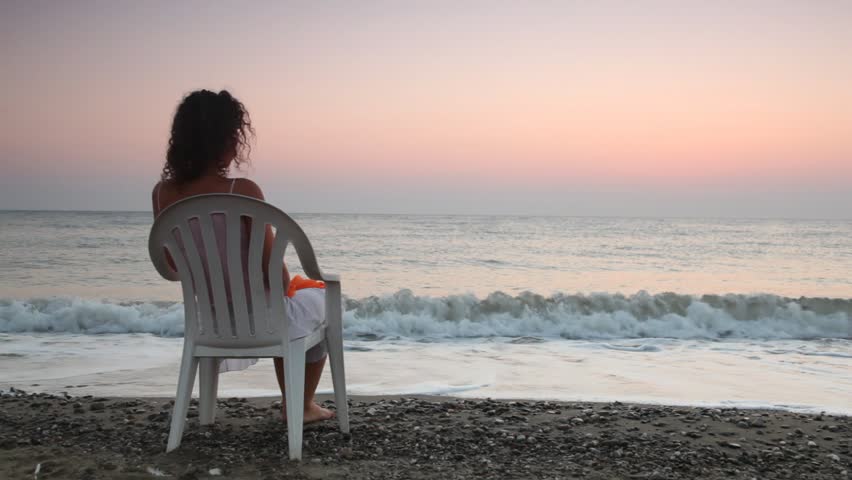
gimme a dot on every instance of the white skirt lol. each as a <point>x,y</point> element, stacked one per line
<point>306,310</point>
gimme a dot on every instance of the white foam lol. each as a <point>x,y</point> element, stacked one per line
<point>599,316</point>
<point>570,370</point>
<point>810,353</point>
<point>403,314</point>
<point>424,388</point>
<point>76,315</point>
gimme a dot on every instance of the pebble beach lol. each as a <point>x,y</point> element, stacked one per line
<point>61,436</point>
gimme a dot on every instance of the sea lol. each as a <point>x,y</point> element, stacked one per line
<point>740,313</point>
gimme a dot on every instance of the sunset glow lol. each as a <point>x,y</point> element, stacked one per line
<point>401,108</point>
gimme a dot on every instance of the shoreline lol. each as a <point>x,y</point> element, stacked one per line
<point>420,437</point>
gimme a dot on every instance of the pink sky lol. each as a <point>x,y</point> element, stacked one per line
<point>577,108</point>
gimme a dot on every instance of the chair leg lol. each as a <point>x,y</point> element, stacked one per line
<point>294,388</point>
<point>186,379</point>
<point>334,343</point>
<point>208,385</point>
<point>338,379</point>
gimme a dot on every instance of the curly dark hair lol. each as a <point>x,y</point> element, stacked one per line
<point>207,129</point>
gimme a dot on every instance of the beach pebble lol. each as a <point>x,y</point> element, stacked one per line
<point>190,472</point>
<point>416,439</point>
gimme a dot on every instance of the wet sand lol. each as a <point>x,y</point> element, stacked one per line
<point>419,437</point>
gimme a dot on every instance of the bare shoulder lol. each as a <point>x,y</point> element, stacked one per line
<point>244,186</point>
<point>155,197</point>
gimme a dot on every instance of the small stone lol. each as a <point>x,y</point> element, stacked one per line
<point>734,445</point>
<point>833,457</point>
<point>215,472</point>
<point>190,473</point>
<point>96,406</point>
<point>346,452</point>
<point>812,444</point>
<point>577,420</point>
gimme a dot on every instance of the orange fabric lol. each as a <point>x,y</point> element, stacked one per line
<point>299,282</point>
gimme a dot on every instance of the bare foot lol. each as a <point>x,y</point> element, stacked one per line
<point>313,413</point>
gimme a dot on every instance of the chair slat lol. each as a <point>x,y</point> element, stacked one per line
<point>255,270</point>
<point>208,326</point>
<point>216,277</point>
<point>243,321</point>
<point>190,310</point>
<point>276,284</point>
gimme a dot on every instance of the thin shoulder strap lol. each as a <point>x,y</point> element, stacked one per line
<point>232,185</point>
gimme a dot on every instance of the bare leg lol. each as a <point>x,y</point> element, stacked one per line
<point>313,372</point>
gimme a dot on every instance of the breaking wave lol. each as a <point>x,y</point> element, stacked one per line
<point>403,314</point>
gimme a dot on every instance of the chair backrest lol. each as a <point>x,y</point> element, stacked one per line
<point>216,315</point>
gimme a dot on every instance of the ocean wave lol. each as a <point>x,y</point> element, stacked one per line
<point>599,316</point>
<point>76,315</point>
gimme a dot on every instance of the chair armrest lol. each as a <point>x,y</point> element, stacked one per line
<point>329,277</point>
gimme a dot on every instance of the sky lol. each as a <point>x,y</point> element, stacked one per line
<point>616,108</point>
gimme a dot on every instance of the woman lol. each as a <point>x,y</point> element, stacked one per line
<point>210,134</point>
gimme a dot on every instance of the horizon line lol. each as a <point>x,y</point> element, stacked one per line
<point>539,215</point>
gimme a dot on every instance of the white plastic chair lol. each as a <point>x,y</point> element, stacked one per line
<point>253,325</point>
